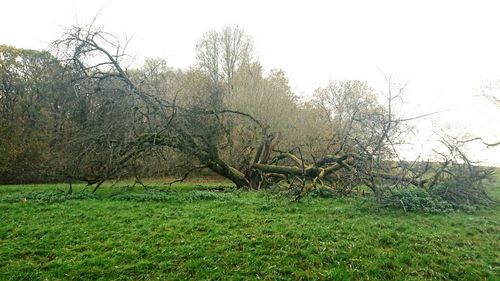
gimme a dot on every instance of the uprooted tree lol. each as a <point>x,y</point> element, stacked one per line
<point>344,137</point>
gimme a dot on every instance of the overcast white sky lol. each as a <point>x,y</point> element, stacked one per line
<point>445,49</point>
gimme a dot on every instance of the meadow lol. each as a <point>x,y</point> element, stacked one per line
<point>210,231</point>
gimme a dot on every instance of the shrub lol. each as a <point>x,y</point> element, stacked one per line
<point>459,187</point>
<point>464,187</point>
<point>463,195</point>
<point>416,200</point>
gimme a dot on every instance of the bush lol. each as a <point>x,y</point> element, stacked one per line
<point>416,200</point>
<point>464,187</point>
<point>463,194</point>
<point>460,188</point>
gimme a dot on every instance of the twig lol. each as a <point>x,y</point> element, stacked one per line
<point>184,177</point>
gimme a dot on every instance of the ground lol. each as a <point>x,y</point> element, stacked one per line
<point>188,234</point>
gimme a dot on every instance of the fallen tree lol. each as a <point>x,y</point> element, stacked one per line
<point>127,119</point>
<point>145,121</point>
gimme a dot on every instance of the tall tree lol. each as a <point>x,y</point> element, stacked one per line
<point>221,52</point>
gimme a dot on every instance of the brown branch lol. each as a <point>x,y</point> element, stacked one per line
<point>255,120</point>
<point>485,143</point>
<point>285,155</point>
<point>184,177</point>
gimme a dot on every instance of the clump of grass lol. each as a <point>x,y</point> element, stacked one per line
<point>165,196</point>
<point>143,197</point>
<point>323,193</point>
<point>198,195</point>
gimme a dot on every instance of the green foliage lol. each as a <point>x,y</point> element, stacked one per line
<point>453,195</point>
<point>323,193</point>
<point>198,195</point>
<point>143,197</point>
<point>415,200</point>
<point>47,197</point>
<point>146,196</point>
<point>245,237</point>
<point>463,193</point>
<point>464,189</point>
<point>164,196</point>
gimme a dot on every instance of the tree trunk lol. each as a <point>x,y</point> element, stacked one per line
<point>237,177</point>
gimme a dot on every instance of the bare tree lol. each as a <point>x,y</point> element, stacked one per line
<point>221,52</point>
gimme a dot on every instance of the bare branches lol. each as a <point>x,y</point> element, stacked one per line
<point>220,52</point>
<point>236,112</point>
<point>184,177</point>
<point>491,91</point>
<point>488,144</point>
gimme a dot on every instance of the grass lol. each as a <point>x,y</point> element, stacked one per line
<point>188,234</point>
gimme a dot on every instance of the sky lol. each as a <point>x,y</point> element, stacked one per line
<point>444,50</point>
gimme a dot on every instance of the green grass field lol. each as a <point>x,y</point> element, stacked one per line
<point>189,234</point>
